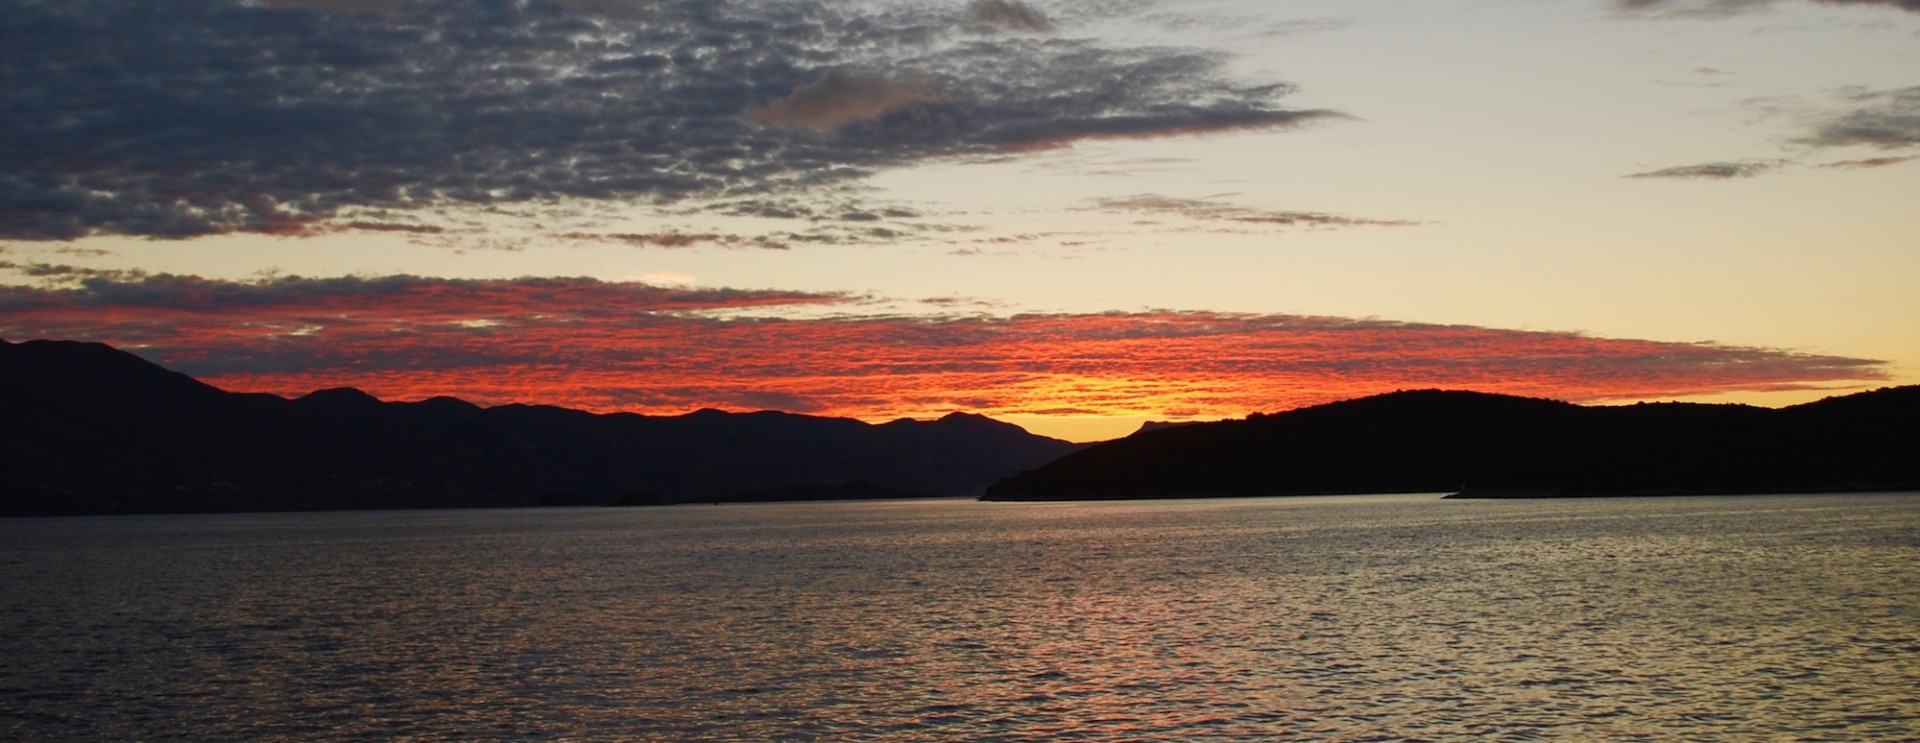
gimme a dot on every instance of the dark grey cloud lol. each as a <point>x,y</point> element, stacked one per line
<point>1213,210</point>
<point>417,229</point>
<point>58,273</point>
<point>1012,15</point>
<point>175,118</point>
<point>1711,171</point>
<point>89,287</point>
<point>776,400</point>
<point>389,8</point>
<point>1886,119</point>
<point>1712,8</point>
<point>826,218</point>
<point>679,239</point>
<point>1913,5</point>
<point>1870,162</point>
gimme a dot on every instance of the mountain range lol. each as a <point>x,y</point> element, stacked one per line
<point>88,429</point>
<point>1484,445</point>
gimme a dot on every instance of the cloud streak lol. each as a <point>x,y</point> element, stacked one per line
<point>677,239</point>
<point>1711,171</point>
<point>1213,210</point>
<point>1721,8</point>
<point>617,346</point>
<point>1871,162</point>
<point>177,118</point>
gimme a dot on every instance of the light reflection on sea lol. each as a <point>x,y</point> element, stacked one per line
<point>1312,618</point>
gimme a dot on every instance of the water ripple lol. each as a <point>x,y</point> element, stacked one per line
<point>1401,618</point>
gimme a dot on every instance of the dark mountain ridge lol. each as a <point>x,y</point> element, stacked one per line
<point>87,429</point>
<point>1496,445</point>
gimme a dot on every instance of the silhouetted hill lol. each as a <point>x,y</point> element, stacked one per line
<point>1496,445</point>
<point>87,429</point>
<point>1157,425</point>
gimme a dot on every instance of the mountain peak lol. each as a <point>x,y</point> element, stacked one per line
<point>1146,426</point>
<point>90,430</point>
<point>51,368</point>
<point>339,397</point>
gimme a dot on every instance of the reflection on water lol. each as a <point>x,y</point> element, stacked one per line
<point>1329,618</point>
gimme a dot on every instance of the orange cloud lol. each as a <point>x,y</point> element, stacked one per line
<point>607,346</point>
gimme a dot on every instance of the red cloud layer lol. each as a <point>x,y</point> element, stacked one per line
<point>608,346</point>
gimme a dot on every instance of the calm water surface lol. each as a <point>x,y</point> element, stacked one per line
<point>1353,618</point>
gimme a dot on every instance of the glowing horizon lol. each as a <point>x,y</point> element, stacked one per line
<point>634,347</point>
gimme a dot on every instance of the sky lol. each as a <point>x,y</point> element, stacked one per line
<point>1074,216</point>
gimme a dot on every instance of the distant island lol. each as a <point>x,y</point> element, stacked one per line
<point>1497,446</point>
<point>88,429</point>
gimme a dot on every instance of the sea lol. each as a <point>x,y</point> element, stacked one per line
<point>1362,618</point>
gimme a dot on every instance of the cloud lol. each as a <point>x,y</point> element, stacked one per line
<point>398,298</point>
<point>1011,15</point>
<point>59,273</point>
<point>775,400</point>
<point>1882,119</point>
<point>677,239</point>
<point>1871,162</point>
<point>841,96</point>
<point>1711,171</point>
<point>1209,210</point>
<point>390,8</point>
<point>178,118</point>
<point>1214,23</point>
<point>418,229</point>
<point>628,346</point>
<point>1721,8</point>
